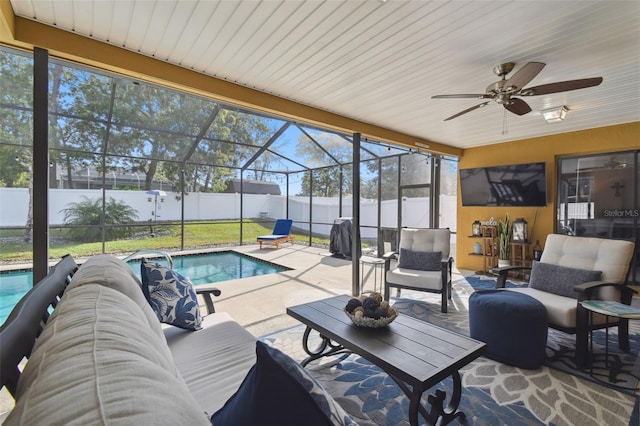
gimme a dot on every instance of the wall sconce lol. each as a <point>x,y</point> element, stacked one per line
<point>475,229</point>
<point>553,115</point>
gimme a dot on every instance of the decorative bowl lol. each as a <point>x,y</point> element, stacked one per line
<point>371,322</point>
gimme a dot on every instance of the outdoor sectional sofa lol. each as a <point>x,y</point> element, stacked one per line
<point>103,357</point>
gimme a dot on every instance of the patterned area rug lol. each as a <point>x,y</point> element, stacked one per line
<point>621,370</point>
<point>493,393</point>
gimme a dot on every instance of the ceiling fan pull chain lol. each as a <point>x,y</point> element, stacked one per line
<point>505,130</point>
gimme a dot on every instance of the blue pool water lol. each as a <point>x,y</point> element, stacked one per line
<point>219,266</point>
<point>13,285</point>
<point>200,268</point>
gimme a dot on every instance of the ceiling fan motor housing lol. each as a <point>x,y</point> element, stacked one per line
<point>503,69</point>
<point>499,93</point>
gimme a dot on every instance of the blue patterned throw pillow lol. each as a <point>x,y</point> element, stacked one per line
<point>171,296</point>
<point>279,391</point>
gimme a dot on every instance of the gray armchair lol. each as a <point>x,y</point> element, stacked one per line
<point>423,263</point>
<point>573,269</point>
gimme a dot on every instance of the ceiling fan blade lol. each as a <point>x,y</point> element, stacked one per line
<point>476,96</point>
<point>561,86</point>
<point>518,106</point>
<point>524,75</point>
<point>466,111</point>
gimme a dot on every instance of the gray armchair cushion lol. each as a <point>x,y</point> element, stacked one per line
<point>560,280</point>
<point>420,260</point>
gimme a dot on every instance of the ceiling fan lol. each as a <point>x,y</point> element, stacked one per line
<point>504,91</point>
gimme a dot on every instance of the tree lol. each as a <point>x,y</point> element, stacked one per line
<point>326,180</point>
<point>324,183</point>
<point>389,175</point>
<point>86,217</point>
<point>14,169</point>
<point>16,135</point>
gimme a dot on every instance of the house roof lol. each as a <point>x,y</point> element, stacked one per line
<point>375,62</point>
<point>253,187</point>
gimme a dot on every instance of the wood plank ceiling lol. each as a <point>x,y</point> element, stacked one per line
<point>380,62</point>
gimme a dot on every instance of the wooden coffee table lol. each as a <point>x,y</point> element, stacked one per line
<point>415,354</point>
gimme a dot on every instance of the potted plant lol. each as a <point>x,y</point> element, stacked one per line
<point>504,235</point>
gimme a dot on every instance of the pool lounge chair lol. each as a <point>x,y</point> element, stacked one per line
<point>281,233</point>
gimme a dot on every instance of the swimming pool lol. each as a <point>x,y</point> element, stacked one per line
<point>215,267</point>
<point>204,268</point>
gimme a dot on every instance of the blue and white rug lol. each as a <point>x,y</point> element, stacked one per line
<point>493,393</point>
<point>620,369</point>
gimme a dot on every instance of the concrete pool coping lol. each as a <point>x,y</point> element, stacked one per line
<point>259,303</point>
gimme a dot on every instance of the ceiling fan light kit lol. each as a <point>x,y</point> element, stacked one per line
<point>554,115</point>
<point>504,91</point>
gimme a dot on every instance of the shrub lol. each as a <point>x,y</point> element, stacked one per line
<point>86,217</point>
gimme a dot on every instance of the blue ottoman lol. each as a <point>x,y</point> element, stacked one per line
<point>512,324</point>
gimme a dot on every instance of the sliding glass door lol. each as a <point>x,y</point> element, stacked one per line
<point>599,196</point>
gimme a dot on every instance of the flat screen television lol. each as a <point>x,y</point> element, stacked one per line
<point>512,185</point>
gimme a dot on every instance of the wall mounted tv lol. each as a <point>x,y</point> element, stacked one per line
<point>513,185</point>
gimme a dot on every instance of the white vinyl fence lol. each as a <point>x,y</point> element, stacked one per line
<point>14,203</point>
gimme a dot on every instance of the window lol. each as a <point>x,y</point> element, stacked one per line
<point>599,196</point>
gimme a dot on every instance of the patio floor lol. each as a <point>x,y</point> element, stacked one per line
<point>259,303</point>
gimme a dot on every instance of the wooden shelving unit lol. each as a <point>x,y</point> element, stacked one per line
<point>519,256</point>
<point>489,237</point>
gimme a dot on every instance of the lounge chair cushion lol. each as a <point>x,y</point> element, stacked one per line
<point>171,296</point>
<point>279,391</point>
<point>271,237</point>
<point>560,280</point>
<point>420,260</point>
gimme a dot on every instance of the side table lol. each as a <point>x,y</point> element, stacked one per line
<point>375,263</point>
<point>608,308</point>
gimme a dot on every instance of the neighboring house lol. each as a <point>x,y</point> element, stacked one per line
<point>252,187</point>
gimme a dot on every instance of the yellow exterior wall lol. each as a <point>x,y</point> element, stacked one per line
<point>541,220</point>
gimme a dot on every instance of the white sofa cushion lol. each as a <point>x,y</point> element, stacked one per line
<point>431,280</point>
<point>612,257</point>
<point>212,361</point>
<point>97,362</point>
<point>421,240</point>
<point>426,240</point>
<point>561,310</point>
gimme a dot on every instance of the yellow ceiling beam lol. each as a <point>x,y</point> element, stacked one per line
<point>7,21</point>
<point>84,50</point>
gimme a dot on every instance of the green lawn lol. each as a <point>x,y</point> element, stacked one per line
<point>196,235</point>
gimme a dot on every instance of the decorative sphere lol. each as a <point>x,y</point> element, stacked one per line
<point>352,304</point>
<point>377,297</point>
<point>370,304</point>
<point>380,312</point>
